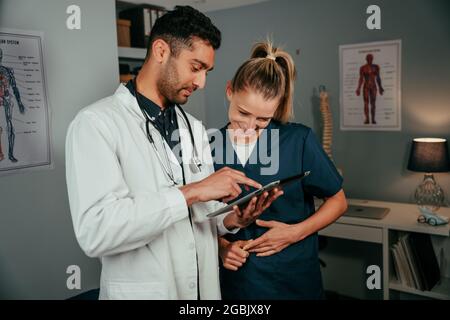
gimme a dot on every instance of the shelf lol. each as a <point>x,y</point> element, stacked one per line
<point>440,291</point>
<point>132,53</point>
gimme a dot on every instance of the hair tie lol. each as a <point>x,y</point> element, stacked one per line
<point>271,57</point>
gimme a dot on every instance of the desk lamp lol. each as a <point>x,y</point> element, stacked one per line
<point>429,155</point>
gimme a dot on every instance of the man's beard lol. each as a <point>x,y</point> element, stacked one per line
<point>169,85</point>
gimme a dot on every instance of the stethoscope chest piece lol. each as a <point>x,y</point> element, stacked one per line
<point>195,165</point>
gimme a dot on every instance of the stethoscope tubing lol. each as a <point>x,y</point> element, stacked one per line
<point>168,171</point>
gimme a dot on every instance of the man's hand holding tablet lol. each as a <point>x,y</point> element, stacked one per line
<point>255,203</point>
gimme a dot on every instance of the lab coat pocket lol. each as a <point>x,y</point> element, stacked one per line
<point>200,212</point>
<point>137,291</point>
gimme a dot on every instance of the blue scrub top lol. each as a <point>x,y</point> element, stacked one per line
<point>293,273</point>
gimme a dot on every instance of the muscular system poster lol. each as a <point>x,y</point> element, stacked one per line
<point>370,86</point>
<point>24,112</point>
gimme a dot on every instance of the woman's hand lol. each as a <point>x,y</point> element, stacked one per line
<point>232,254</point>
<point>278,237</point>
<point>281,235</point>
<point>256,206</point>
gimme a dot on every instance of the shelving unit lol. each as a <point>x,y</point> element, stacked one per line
<point>441,291</point>
<point>134,57</point>
<point>401,218</point>
<point>132,53</point>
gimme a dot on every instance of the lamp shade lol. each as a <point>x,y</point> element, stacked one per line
<point>429,155</point>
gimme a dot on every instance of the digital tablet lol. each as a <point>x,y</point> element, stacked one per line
<point>268,187</point>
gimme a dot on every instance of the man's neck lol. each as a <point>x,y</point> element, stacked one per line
<point>147,87</point>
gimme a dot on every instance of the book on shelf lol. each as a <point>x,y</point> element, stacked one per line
<point>404,266</point>
<point>397,267</point>
<point>426,259</point>
<point>404,240</point>
<point>414,260</point>
<point>142,18</point>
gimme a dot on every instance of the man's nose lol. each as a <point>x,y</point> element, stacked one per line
<point>200,80</point>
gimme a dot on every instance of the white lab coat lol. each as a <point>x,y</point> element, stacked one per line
<point>125,212</point>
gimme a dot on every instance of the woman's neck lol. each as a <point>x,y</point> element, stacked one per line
<point>243,139</point>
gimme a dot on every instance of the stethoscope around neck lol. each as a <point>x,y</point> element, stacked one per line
<point>194,164</point>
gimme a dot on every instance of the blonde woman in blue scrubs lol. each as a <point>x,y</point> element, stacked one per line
<point>277,256</point>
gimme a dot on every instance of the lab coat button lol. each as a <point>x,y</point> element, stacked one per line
<point>192,285</point>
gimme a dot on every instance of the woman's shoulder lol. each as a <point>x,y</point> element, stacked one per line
<point>292,128</point>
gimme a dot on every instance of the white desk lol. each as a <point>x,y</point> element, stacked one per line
<point>401,217</point>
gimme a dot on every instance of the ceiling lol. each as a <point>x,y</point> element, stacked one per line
<point>201,5</point>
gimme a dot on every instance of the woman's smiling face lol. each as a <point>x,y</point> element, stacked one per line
<point>249,113</point>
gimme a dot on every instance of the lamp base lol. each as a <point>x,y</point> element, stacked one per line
<point>429,195</point>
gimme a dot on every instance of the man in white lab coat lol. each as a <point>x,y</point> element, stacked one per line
<point>137,204</point>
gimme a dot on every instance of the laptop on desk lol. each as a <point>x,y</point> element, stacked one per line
<point>367,212</point>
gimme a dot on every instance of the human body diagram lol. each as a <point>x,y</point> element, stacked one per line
<point>8,91</point>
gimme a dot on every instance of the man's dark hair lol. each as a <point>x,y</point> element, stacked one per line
<point>179,26</point>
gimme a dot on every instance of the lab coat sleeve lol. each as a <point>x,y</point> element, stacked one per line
<point>106,219</point>
<point>221,229</point>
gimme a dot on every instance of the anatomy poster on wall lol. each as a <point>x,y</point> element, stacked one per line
<point>25,142</point>
<point>370,86</point>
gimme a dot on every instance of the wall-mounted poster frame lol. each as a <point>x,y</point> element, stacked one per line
<point>370,86</point>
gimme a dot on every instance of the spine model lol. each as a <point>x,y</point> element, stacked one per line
<point>327,135</point>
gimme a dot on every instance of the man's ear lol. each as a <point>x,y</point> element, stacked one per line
<point>160,51</point>
<point>229,91</point>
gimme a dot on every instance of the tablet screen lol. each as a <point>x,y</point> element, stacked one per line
<point>268,187</point>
